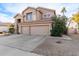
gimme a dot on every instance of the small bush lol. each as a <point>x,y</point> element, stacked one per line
<point>11,30</point>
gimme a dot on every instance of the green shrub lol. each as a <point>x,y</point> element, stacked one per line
<point>11,30</point>
<point>58,28</point>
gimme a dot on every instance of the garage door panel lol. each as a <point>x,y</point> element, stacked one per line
<point>40,30</point>
<point>25,30</point>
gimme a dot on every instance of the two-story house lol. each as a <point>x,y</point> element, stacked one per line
<point>34,21</point>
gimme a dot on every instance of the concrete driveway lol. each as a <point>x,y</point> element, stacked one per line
<point>16,45</point>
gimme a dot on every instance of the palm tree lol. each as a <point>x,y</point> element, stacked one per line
<point>64,18</point>
<point>63,11</point>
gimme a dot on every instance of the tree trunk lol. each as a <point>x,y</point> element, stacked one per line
<point>63,14</point>
<point>69,23</point>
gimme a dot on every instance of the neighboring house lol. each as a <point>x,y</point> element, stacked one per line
<point>34,21</point>
<point>4,27</point>
<point>72,26</point>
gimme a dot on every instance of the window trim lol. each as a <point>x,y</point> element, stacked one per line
<point>27,16</point>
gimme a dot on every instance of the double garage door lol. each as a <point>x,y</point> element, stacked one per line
<point>36,30</point>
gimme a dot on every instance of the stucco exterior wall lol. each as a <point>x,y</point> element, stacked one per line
<point>48,13</point>
<point>18,16</point>
<point>39,25</point>
<point>38,16</point>
<point>29,10</point>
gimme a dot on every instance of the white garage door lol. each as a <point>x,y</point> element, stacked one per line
<point>25,30</point>
<point>40,30</point>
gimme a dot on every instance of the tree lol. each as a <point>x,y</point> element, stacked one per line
<point>75,17</point>
<point>64,18</point>
<point>63,11</point>
<point>58,27</point>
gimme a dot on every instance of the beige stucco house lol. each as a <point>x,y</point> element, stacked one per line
<point>34,21</point>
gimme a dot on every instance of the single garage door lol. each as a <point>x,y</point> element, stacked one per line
<point>25,30</point>
<point>40,30</point>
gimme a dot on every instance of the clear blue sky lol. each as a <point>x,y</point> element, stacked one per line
<point>9,10</point>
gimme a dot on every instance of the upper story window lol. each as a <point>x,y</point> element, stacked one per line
<point>29,16</point>
<point>47,16</point>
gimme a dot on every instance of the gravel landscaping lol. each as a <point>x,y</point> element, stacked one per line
<point>58,46</point>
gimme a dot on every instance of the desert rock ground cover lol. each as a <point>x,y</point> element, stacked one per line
<point>59,46</point>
